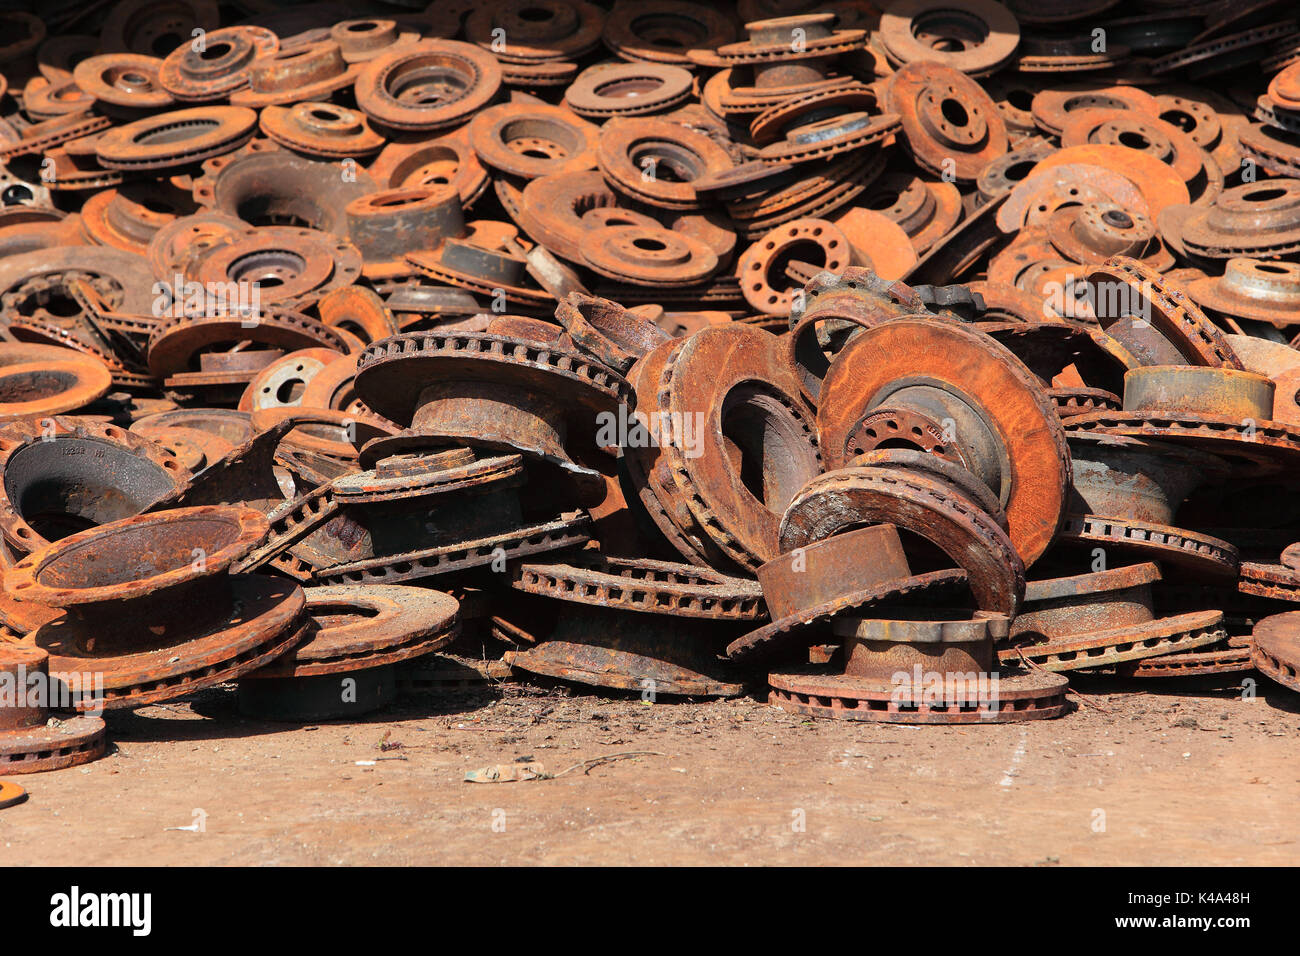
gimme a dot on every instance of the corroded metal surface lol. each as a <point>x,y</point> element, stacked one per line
<point>155,621</point>
<point>775,324</point>
<point>1018,696</point>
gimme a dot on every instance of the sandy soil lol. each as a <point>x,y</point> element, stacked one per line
<point>1143,776</point>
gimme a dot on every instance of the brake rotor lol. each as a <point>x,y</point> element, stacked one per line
<point>1199,663</point>
<point>1145,133</point>
<point>533,140</point>
<point>1260,446</point>
<point>952,127</point>
<point>1213,57</point>
<point>856,297</point>
<point>656,587</point>
<point>875,240</point>
<point>1123,288</point>
<point>793,113</point>
<point>1006,303</point>
<point>193,448</point>
<point>976,37</point>
<point>842,179</point>
<point>614,336</point>
<point>1091,233</point>
<point>630,152</point>
<point>627,89</point>
<point>757,446</point>
<point>1129,478</point>
<point>1066,352</point>
<point>957,478</point>
<point>39,137</point>
<point>128,217</point>
<point>359,311</point>
<point>1251,289</point>
<point>1079,604</point>
<point>567,531</point>
<point>177,343</point>
<point>1157,182</point>
<point>649,483</point>
<point>1027,261</point>
<point>388,225</point>
<point>268,186</point>
<point>487,269</point>
<point>216,66</point>
<point>1228,393</point>
<point>926,211</point>
<point>1066,54</point>
<point>786,40</point>
<point>1116,645</point>
<point>227,426</point>
<point>177,138</point>
<point>62,475</point>
<point>1001,415</point>
<point>30,740</point>
<point>44,99</point>
<point>447,160</point>
<point>321,129</point>
<point>481,388</point>
<point>360,628</point>
<point>1253,219</point>
<point>761,272</point>
<point>533,75</point>
<point>1264,356</point>
<point>1276,649</point>
<point>1033,200</point>
<point>538,32</point>
<point>40,380</point>
<point>555,211</point>
<point>363,40</point>
<point>1190,550</point>
<point>179,242</point>
<point>620,650</point>
<point>659,31</point>
<point>154,621</point>
<point>288,267</point>
<point>1052,109</point>
<point>146,26</point>
<point>306,72</point>
<point>432,84</point>
<point>1018,696</point>
<point>80,338</point>
<point>925,505</point>
<point>283,382</point>
<point>802,626</point>
<point>127,80</point>
<point>648,256</point>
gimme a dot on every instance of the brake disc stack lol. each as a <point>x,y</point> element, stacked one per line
<point>150,607</point>
<point>677,345</point>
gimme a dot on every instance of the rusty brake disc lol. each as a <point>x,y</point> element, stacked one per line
<point>753,446</point>
<point>30,742</point>
<point>154,621</point>
<point>1001,420</point>
<point>922,504</point>
<point>432,84</point>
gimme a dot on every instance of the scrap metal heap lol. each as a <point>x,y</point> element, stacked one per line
<point>899,364</point>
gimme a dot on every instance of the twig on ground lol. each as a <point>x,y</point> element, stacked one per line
<point>593,763</point>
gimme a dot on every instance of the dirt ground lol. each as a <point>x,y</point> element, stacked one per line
<point>1136,775</point>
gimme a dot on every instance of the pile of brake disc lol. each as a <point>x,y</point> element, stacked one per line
<point>897,364</point>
